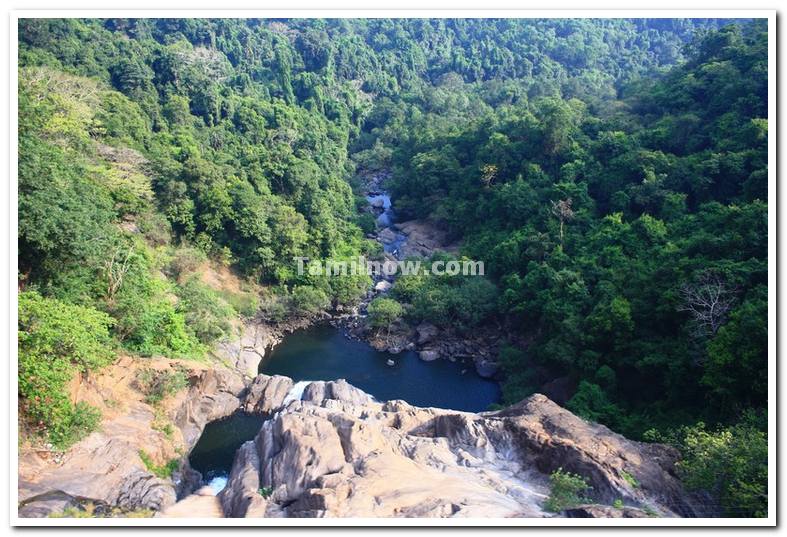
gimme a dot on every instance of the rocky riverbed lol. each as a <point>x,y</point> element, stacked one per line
<point>329,449</point>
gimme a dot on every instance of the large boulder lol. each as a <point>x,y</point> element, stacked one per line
<point>241,496</point>
<point>267,393</point>
<point>246,350</point>
<point>214,394</point>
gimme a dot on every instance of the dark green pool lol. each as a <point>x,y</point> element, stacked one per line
<point>324,353</point>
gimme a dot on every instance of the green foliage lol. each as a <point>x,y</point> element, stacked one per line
<point>458,301</point>
<point>597,171</point>
<point>265,492</point>
<point>384,311</point>
<point>731,463</point>
<point>308,300</point>
<point>618,504</point>
<point>56,342</point>
<point>205,312</point>
<point>630,479</point>
<point>163,471</point>
<point>157,384</point>
<point>567,490</point>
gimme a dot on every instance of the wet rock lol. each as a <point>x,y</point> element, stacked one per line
<point>378,203</point>
<point>387,236</point>
<point>428,355</point>
<point>241,497</point>
<point>383,286</point>
<point>486,368</point>
<point>266,394</point>
<point>426,332</point>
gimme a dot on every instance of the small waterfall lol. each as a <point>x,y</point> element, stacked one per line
<point>217,484</point>
<point>296,392</point>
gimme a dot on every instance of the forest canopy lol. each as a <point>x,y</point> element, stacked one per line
<point>611,174</point>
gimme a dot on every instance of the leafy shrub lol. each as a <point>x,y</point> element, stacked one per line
<point>205,312</point>
<point>384,311</point>
<point>308,300</point>
<point>163,471</point>
<point>630,479</point>
<point>367,223</point>
<point>57,341</point>
<point>567,490</point>
<point>147,320</point>
<point>730,463</point>
<point>186,260</point>
<point>246,304</point>
<point>158,384</point>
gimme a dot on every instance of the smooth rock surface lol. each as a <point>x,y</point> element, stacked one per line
<point>339,453</point>
<point>266,393</point>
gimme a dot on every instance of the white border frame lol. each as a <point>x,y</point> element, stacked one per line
<point>770,15</point>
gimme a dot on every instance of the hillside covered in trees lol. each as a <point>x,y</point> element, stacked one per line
<point>611,174</point>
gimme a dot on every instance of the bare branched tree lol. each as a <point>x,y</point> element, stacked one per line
<point>708,301</point>
<point>116,269</point>
<point>562,210</point>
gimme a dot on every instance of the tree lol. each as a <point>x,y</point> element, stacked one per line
<point>708,301</point>
<point>383,312</point>
<point>561,209</point>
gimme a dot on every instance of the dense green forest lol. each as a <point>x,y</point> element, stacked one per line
<point>611,174</point>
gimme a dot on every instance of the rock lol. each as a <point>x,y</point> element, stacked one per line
<point>378,203</point>
<point>338,390</point>
<point>387,236</point>
<point>194,506</point>
<point>604,511</point>
<point>390,362</point>
<point>266,394</point>
<point>241,498</point>
<point>246,351</point>
<point>383,286</point>
<point>486,368</point>
<point>338,453</point>
<point>426,332</point>
<point>428,355</point>
<point>48,503</point>
<point>105,468</point>
<point>424,238</point>
<point>555,438</point>
<point>560,390</point>
<point>214,394</point>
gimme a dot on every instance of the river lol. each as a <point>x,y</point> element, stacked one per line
<point>323,352</point>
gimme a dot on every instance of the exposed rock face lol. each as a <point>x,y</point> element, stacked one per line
<point>424,238</point>
<point>554,438</point>
<point>336,452</point>
<point>241,495</point>
<point>106,467</point>
<point>202,504</point>
<point>604,511</point>
<point>266,394</point>
<point>214,394</point>
<point>246,351</point>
